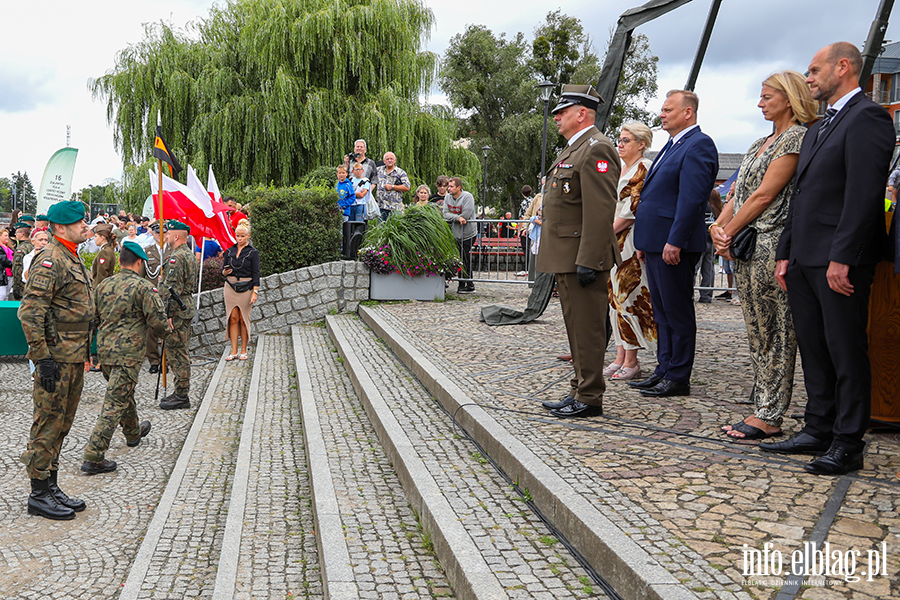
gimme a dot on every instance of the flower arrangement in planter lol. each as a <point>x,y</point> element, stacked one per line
<point>409,254</point>
<point>414,243</point>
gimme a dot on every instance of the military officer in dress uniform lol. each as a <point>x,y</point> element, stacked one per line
<point>578,243</point>
<point>56,313</point>
<point>181,276</point>
<point>127,306</point>
<point>23,247</point>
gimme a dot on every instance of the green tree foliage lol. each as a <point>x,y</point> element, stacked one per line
<point>25,196</point>
<point>491,81</point>
<point>637,86</point>
<point>268,90</point>
<point>293,227</point>
<point>5,194</point>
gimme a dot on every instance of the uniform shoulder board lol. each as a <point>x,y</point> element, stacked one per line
<point>592,141</point>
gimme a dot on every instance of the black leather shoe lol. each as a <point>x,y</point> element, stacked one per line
<point>646,384</point>
<point>836,461</point>
<point>554,405</point>
<point>577,409</point>
<point>666,388</point>
<point>104,466</point>
<point>154,368</point>
<point>145,429</point>
<point>61,497</point>
<point>799,443</point>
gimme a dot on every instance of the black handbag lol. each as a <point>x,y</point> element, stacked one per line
<point>241,286</point>
<point>743,244</point>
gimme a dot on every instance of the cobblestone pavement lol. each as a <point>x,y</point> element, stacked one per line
<point>87,557</point>
<point>278,555</point>
<point>526,559</point>
<point>388,554</point>
<point>661,468</point>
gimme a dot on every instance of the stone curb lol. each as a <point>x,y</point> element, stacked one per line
<point>226,572</point>
<point>468,572</point>
<point>338,581</point>
<point>632,572</point>
<point>141,564</point>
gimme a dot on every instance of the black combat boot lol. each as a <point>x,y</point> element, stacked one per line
<point>43,503</point>
<point>174,401</point>
<point>93,468</point>
<point>61,497</point>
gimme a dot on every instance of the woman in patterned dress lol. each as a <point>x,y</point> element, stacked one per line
<point>761,199</point>
<point>629,297</point>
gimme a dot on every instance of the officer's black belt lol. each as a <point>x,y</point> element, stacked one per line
<point>68,327</point>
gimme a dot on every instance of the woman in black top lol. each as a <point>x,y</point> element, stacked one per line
<point>241,269</point>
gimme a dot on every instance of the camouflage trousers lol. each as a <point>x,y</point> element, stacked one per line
<point>118,408</point>
<point>53,416</point>
<point>177,357</point>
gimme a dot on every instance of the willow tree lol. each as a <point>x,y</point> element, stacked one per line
<point>267,90</point>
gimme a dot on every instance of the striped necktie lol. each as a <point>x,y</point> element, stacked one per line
<point>826,120</point>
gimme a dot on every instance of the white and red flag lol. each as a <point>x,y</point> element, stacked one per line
<point>195,208</point>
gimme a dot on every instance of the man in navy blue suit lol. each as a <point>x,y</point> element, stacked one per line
<point>670,235</point>
<point>833,238</point>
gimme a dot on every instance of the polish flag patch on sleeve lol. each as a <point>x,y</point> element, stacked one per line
<point>172,260</point>
<point>47,264</point>
<point>602,166</point>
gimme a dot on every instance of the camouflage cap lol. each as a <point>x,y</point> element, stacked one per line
<point>135,248</point>
<point>177,225</point>
<point>66,212</point>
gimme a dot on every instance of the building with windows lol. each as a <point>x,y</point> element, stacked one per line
<point>884,83</point>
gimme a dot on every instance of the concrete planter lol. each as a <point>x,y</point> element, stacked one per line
<point>395,286</point>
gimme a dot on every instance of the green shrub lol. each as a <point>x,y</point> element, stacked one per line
<point>320,177</point>
<point>294,227</point>
<point>212,278</point>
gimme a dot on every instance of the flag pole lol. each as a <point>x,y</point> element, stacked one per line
<point>162,238</point>
<point>200,277</point>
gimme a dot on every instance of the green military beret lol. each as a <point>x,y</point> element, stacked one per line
<point>136,248</point>
<point>26,218</point>
<point>23,225</point>
<point>66,212</point>
<point>177,225</point>
<point>41,218</point>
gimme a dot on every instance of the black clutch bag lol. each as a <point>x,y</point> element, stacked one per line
<point>743,244</point>
<point>241,286</point>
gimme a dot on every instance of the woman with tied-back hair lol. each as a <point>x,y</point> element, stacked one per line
<point>241,269</point>
<point>761,199</point>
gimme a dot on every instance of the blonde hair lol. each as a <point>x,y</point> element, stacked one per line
<point>641,132</point>
<point>793,85</point>
<point>423,186</point>
<point>243,224</point>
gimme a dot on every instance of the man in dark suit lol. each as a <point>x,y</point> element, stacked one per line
<point>670,235</point>
<point>578,243</point>
<point>833,237</point>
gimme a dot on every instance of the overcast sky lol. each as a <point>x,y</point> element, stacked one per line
<point>49,50</point>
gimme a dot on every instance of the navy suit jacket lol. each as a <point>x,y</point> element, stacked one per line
<point>673,200</point>
<point>837,208</point>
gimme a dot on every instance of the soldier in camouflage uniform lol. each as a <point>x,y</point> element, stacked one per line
<point>153,272</point>
<point>56,313</point>
<point>23,247</point>
<point>127,306</point>
<point>181,276</point>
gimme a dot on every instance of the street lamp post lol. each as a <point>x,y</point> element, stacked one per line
<point>546,89</point>
<point>484,151</point>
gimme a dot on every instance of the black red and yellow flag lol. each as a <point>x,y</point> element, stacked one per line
<point>161,151</point>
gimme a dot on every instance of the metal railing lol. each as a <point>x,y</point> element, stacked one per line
<point>498,253</point>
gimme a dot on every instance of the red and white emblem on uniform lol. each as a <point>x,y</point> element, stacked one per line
<point>172,260</point>
<point>47,264</point>
<point>602,166</point>
<point>102,260</point>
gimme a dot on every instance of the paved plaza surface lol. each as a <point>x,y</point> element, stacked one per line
<point>220,496</point>
<point>661,468</point>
